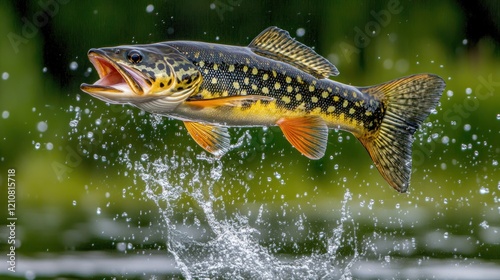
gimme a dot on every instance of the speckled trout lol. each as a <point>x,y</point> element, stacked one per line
<point>274,81</point>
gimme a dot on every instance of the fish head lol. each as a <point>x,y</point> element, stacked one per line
<point>142,73</point>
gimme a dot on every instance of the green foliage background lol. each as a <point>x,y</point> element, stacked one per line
<point>456,179</point>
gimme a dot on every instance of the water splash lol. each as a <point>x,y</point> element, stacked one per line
<point>208,239</point>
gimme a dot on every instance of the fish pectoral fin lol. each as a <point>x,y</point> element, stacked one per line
<point>277,44</point>
<point>214,139</point>
<point>309,135</point>
<point>231,101</point>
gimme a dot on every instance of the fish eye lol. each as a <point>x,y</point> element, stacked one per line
<point>134,57</point>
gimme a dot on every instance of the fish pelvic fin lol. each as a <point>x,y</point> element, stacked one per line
<point>214,139</point>
<point>408,101</point>
<point>309,135</point>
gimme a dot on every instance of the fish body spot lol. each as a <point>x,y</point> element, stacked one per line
<point>314,99</point>
<point>277,86</point>
<point>298,96</point>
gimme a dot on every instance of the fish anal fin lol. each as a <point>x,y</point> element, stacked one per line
<point>309,135</point>
<point>277,44</point>
<point>214,139</point>
<point>231,101</point>
<point>408,100</point>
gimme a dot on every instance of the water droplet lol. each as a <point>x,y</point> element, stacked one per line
<point>443,166</point>
<point>494,162</point>
<point>42,126</point>
<point>49,146</point>
<point>150,8</point>
<point>5,114</point>
<point>44,69</point>
<point>73,65</point>
<point>445,140</point>
<point>90,134</point>
<point>29,275</point>
<point>468,91</point>
<point>74,202</point>
<point>144,157</point>
<point>465,42</point>
<point>484,190</point>
<point>98,211</point>
<point>73,123</point>
<point>212,6</point>
<point>498,117</point>
<point>5,76</point>
<point>37,145</point>
<point>301,32</point>
<point>467,127</point>
<point>121,246</point>
<point>484,224</point>
<point>388,63</point>
<point>449,93</point>
<point>446,235</point>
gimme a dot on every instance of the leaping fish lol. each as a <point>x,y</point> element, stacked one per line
<point>274,81</point>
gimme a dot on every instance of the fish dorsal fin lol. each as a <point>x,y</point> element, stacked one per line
<point>277,44</point>
<point>214,139</point>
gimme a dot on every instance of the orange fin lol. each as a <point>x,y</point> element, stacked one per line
<point>309,135</point>
<point>214,139</point>
<point>239,100</point>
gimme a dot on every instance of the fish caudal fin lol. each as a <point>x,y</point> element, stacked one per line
<point>408,101</point>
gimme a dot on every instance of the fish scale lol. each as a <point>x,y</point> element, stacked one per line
<point>274,81</point>
<point>291,88</point>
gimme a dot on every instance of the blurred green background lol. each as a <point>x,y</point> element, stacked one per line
<point>76,194</point>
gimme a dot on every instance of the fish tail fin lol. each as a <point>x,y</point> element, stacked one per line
<point>407,101</point>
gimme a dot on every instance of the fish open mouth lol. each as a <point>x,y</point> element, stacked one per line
<point>113,77</point>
